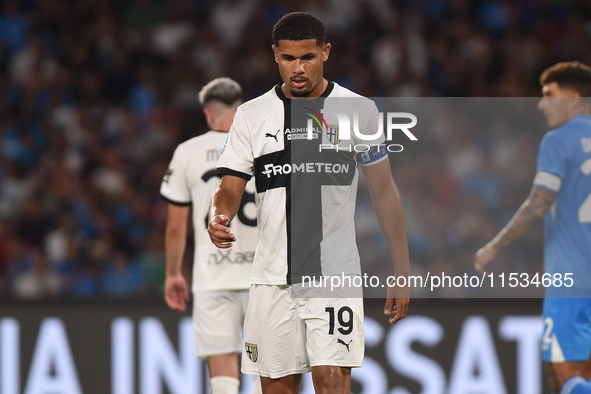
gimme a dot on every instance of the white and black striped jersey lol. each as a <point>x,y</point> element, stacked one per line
<point>191,179</point>
<point>305,196</point>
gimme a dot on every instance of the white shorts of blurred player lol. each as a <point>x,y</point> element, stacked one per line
<point>285,335</point>
<point>218,318</point>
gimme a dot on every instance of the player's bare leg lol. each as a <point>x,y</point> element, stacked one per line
<point>286,385</point>
<point>559,373</point>
<point>331,380</point>
<point>224,373</point>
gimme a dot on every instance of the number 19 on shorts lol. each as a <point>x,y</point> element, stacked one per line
<point>345,318</point>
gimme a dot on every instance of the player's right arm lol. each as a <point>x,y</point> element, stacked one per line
<point>235,166</point>
<point>551,170</point>
<point>176,291</point>
<point>225,203</point>
<point>176,191</point>
<point>531,211</point>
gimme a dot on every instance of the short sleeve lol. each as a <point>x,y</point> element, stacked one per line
<point>369,125</point>
<point>174,187</point>
<point>553,156</point>
<point>237,157</point>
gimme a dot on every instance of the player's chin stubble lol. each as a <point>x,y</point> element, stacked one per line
<point>300,93</point>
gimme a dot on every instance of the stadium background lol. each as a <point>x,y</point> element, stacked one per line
<point>95,95</point>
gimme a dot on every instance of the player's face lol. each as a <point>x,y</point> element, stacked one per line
<point>301,65</point>
<point>558,104</point>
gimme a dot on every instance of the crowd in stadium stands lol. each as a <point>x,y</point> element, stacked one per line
<point>96,94</point>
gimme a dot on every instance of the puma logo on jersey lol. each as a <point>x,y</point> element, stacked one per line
<point>345,344</point>
<point>167,175</point>
<point>271,135</point>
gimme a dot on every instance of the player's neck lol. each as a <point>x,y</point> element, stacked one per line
<point>580,111</point>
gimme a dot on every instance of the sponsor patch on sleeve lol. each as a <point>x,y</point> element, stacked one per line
<point>373,155</point>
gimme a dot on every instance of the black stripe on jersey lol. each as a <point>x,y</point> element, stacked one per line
<point>177,203</point>
<point>228,171</point>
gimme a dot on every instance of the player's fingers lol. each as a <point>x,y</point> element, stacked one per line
<point>169,302</point>
<point>395,319</point>
<point>218,229</point>
<point>220,232</point>
<point>219,222</point>
<point>222,238</point>
<point>398,316</point>
<point>400,310</point>
<point>479,267</point>
<point>222,244</point>
<point>173,302</point>
<point>388,306</point>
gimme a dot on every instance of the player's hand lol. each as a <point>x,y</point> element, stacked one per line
<point>485,255</point>
<point>399,310</point>
<point>176,292</point>
<point>397,300</point>
<point>219,232</point>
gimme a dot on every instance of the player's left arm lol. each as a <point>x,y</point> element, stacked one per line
<point>531,211</point>
<point>176,291</point>
<point>388,208</point>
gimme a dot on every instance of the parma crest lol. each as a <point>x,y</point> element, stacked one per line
<point>332,134</point>
<point>252,351</point>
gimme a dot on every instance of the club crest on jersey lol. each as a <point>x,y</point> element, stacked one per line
<point>332,134</point>
<point>252,351</point>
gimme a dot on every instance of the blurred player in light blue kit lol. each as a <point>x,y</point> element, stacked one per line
<point>561,193</point>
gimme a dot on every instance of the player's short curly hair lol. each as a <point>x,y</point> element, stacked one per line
<point>225,90</point>
<point>298,26</point>
<point>569,75</point>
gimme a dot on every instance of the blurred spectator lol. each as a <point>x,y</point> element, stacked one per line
<point>123,278</point>
<point>29,274</point>
<point>13,26</point>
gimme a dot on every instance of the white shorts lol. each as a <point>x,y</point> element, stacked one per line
<point>285,336</point>
<point>218,317</point>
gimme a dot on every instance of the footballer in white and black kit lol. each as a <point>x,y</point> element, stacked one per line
<point>298,140</point>
<point>305,211</point>
<point>218,275</point>
<point>304,196</point>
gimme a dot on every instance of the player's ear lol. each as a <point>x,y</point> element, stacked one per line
<point>325,51</point>
<point>275,53</point>
<point>208,117</point>
<point>574,98</point>
<point>574,93</point>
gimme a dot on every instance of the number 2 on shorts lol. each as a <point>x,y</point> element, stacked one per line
<point>346,325</point>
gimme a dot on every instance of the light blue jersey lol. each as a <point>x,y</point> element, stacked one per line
<point>566,153</point>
